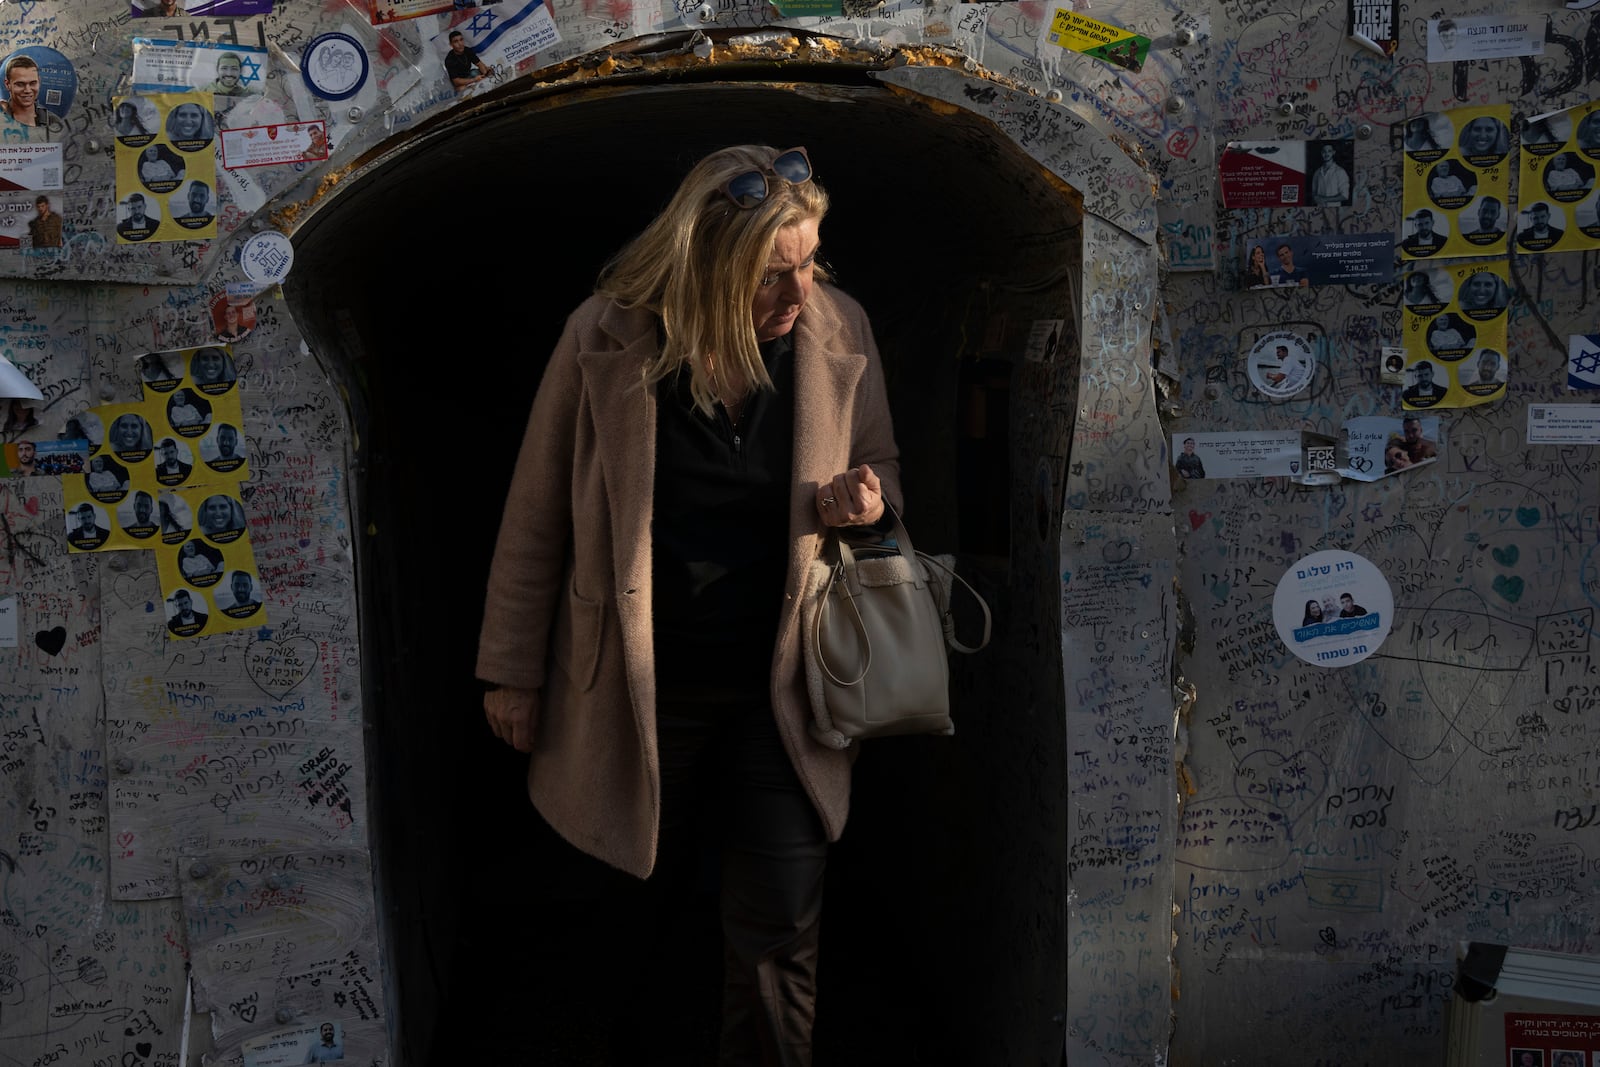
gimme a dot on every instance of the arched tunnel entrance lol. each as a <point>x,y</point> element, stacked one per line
<point>433,282</point>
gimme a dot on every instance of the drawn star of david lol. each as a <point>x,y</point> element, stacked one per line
<point>1372,513</point>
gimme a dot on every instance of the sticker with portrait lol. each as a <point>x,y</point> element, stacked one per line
<point>97,519</point>
<point>1247,454</point>
<point>1281,364</point>
<point>321,1043</point>
<point>1559,205</point>
<point>1333,608</point>
<point>166,169</point>
<point>225,70</point>
<point>233,314</point>
<point>1318,259</point>
<point>38,85</point>
<point>51,459</point>
<point>1457,181</point>
<point>1455,329</point>
<point>1376,446</point>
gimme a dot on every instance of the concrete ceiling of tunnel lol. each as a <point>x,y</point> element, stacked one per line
<point>507,210</point>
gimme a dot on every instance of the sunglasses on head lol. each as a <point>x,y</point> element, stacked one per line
<point>749,188</point>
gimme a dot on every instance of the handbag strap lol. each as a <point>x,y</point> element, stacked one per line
<point>861,628</point>
<point>949,619</point>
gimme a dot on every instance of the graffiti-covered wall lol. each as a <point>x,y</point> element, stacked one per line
<point>1267,347</point>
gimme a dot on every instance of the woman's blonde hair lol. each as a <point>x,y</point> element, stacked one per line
<point>698,264</point>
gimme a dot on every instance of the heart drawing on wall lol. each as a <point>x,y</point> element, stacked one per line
<point>51,641</point>
<point>277,667</point>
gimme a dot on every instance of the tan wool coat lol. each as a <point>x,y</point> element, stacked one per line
<point>569,606</point>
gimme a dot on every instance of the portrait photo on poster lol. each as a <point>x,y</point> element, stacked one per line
<point>1281,364</point>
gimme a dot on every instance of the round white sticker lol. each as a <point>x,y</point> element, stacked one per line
<point>1281,364</point>
<point>334,66</point>
<point>266,257</point>
<point>1333,608</point>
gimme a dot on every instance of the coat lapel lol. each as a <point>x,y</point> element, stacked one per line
<point>625,432</point>
<point>827,370</point>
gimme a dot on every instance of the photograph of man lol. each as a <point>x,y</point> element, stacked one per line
<point>200,563</point>
<point>1330,182</point>
<point>1489,222</point>
<point>1421,240</point>
<point>1484,295</point>
<point>221,518</point>
<point>182,618</point>
<point>1568,178</point>
<point>1490,374</point>
<point>196,209</point>
<point>1424,391</point>
<point>1418,447</point>
<point>221,450</point>
<point>230,323</point>
<point>188,414</point>
<point>157,8</point>
<point>1448,336</point>
<point>462,63</point>
<point>190,127</point>
<point>328,1049</point>
<point>1527,1057</point>
<point>1534,231</point>
<point>24,119</point>
<point>27,460</point>
<point>230,69</point>
<point>44,229</point>
<point>238,600</point>
<point>1485,141</point>
<point>86,527</point>
<point>1286,273</point>
<point>1188,463</point>
<point>171,465</point>
<point>176,519</point>
<point>1587,216</point>
<point>1348,608</point>
<point>212,370</point>
<point>136,516</point>
<point>135,224</point>
<point>129,437</point>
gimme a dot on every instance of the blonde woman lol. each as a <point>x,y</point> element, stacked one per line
<point>705,417</point>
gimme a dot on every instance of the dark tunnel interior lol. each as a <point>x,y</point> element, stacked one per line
<point>432,284</point>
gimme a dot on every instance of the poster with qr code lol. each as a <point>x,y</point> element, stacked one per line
<point>1287,173</point>
<point>34,167</point>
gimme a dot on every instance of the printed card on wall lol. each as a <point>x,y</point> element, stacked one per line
<point>166,168</point>
<point>209,581</point>
<point>1457,178</point>
<point>1455,335</point>
<point>1287,173</point>
<point>1333,608</point>
<point>1560,209</point>
<point>161,66</point>
<point>1373,23</point>
<point>1112,44</point>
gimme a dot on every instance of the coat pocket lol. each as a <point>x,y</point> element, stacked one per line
<point>579,630</point>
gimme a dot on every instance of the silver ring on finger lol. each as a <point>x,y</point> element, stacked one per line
<point>828,501</point>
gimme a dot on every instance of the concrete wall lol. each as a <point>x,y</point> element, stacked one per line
<point>181,808</point>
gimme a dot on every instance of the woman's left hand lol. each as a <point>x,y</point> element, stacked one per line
<point>854,498</point>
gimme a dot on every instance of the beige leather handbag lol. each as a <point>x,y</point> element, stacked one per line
<point>877,623</point>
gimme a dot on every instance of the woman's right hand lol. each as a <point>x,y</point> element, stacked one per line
<point>511,713</point>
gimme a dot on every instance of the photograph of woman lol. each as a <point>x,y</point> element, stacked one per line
<point>763,412</point>
<point>1257,275</point>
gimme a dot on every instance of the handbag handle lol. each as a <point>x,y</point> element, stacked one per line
<point>861,627</point>
<point>949,618</point>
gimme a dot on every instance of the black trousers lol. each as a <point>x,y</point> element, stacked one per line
<point>738,827</point>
